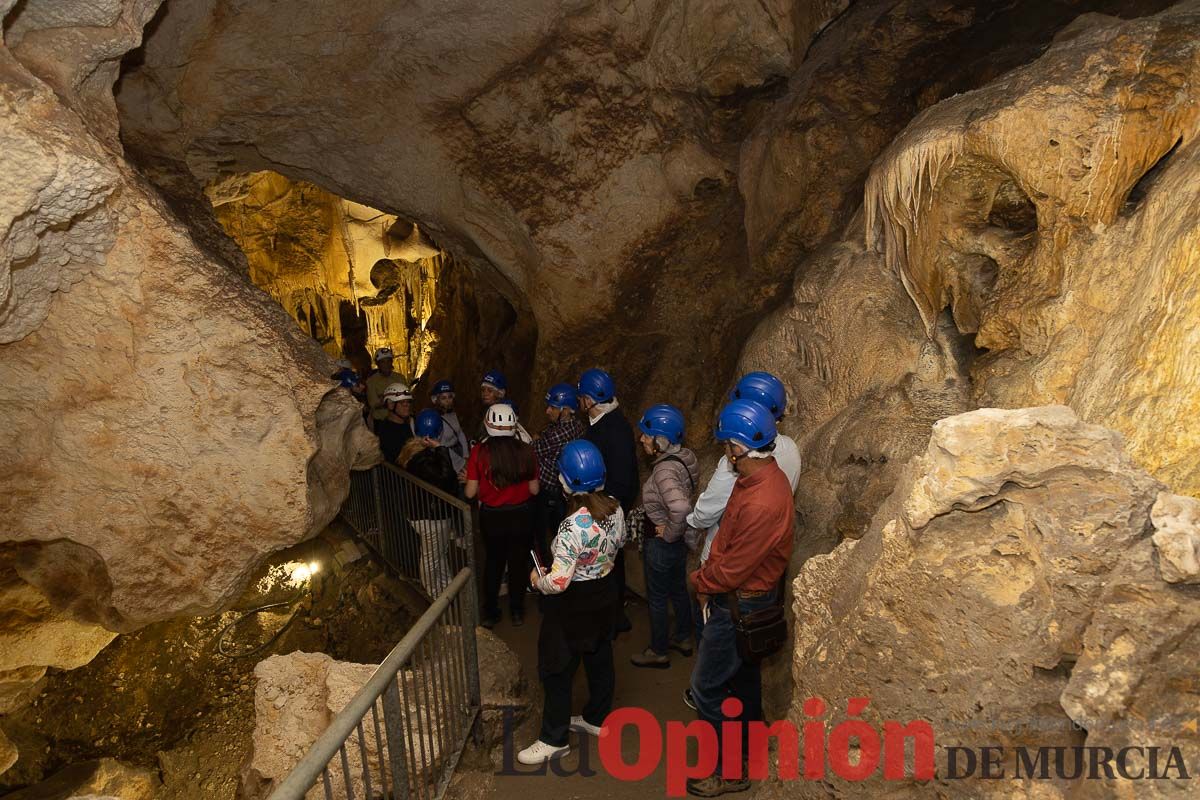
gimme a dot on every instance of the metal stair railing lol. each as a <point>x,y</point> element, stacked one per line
<point>402,734</point>
<point>421,533</point>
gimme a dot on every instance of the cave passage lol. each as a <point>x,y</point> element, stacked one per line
<point>354,278</point>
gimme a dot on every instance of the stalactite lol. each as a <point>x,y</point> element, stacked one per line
<point>309,250</point>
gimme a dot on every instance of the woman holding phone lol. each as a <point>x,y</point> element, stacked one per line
<point>580,604</point>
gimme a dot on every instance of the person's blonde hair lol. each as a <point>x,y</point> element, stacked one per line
<point>413,446</point>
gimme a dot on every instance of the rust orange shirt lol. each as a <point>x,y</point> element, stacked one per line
<point>754,543</point>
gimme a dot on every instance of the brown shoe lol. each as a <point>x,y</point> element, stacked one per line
<point>715,786</point>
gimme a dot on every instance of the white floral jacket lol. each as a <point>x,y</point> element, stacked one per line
<point>584,550</point>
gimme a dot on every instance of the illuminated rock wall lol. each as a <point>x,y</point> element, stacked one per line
<point>353,277</point>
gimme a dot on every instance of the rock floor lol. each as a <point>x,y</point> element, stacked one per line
<point>659,691</point>
<point>165,698</point>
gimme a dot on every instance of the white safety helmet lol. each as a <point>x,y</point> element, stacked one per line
<point>500,420</point>
<point>344,363</point>
<point>383,354</point>
<point>397,392</point>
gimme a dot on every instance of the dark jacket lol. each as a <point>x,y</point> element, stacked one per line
<point>433,465</point>
<point>392,436</point>
<point>613,436</point>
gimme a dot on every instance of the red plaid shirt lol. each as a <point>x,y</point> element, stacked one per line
<point>548,446</point>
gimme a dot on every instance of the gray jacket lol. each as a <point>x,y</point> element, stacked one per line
<point>667,493</point>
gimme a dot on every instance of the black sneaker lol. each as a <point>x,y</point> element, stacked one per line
<point>489,620</point>
<point>689,700</point>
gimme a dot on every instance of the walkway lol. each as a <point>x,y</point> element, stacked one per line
<point>660,691</point>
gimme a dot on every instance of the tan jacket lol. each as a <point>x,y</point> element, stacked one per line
<point>376,385</point>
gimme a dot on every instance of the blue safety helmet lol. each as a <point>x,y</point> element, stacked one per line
<point>746,422</point>
<point>581,466</point>
<point>441,387</point>
<point>495,378</point>
<point>346,378</point>
<point>562,395</point>
<point>764,389</point>
<point>663,419</point>
<point>429,423</point>
<point>598,385</point>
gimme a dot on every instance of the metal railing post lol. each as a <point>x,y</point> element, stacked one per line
<point>392,723</point>
<point>470,620</point>
<point>378,504</point>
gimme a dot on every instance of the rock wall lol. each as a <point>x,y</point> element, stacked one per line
<point>165,425</point>
<point>1006,589</point>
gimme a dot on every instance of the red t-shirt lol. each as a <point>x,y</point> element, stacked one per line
<point>479,468</point>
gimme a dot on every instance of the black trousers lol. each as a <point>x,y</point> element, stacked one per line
<point>507,538</point>
<point>551,509</point>
<point>601,681</point>
<point>619,575</point>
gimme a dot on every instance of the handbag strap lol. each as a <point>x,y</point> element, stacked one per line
<point>686,471</point>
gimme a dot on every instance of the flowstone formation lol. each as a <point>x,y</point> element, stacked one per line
<point>1054,212</point>
<point>1006,592</point>
<point>1043,229</point>
<point>353,277</point>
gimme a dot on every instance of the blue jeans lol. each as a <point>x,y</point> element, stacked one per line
<point>720,672</point>
<point>666,580</point>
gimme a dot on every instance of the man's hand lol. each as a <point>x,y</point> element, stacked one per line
<point>533,578</point>
<point>659,530</point>
<point>462,475</point>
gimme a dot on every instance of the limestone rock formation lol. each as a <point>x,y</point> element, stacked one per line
<point>296,696</point>
<point>35,636</point>
<point>1177,537</point>
<point>165,425</point>
<point>105,777</point>
<point>1134,683</point>
<point>1053,211</point>
<point>988,572</point>
<point>864,387</point>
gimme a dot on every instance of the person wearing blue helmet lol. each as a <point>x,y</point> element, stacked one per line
<point>580,603</point>
<point>348,379</point>
<point>561,404</point>
<point>744,574</point>
<point>453,437</point>
<point>609,430</point>
<point>705,518</point>
<point>666,501</point>
<point>424,456</point>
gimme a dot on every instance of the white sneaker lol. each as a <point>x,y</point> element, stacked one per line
<point>539,752</point>
<point>580,724</point>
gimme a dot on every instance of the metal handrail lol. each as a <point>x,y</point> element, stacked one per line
<point>428,686</point>
<point>349,720</point>
<point>421,533</point>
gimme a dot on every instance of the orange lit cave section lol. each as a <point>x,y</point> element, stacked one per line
<point>353,277</point>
